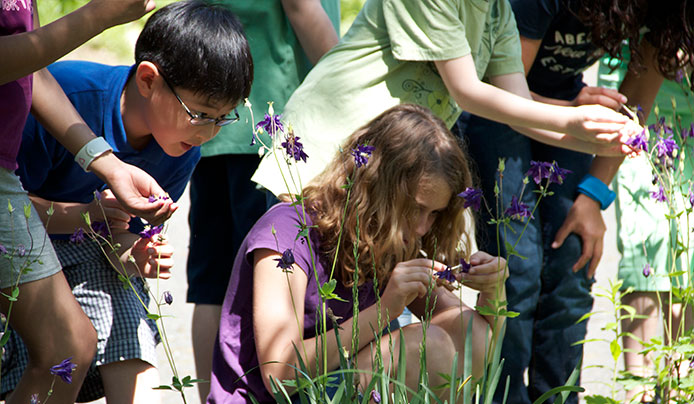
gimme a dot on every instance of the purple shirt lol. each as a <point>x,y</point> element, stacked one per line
<point>235,352</point>
<point>16,16</point>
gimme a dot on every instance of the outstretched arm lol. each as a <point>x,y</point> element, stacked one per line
<point>312,26</point>
<point>25,53</point>
<point>586,128</point>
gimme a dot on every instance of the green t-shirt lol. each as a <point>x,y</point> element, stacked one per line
<point>386,58</point>
<point>279,67</point>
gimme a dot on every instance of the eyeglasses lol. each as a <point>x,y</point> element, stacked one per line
<point>199,119</point>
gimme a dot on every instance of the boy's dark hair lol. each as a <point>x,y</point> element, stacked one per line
<point>201,47</point>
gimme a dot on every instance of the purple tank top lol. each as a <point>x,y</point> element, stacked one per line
<point>15,97</point>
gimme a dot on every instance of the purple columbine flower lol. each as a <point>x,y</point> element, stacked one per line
<point>294,148</point>
<point>21,250</point>
<point>64,370</point>
<point>659,195</point>
<point>688,132</point>
<point>375,396</point>
<point>271,124</point>
<point>472,197</point>
<point>446,274</point>
<point>518,210</point>
<point>286,261</point>
<point>691,198</point>
<point>647,271</point>
<point>464,266</point>
<point>152,199</point>
<point>150,231</point>
<point>3,250</point>
<point>666,147</point>
<point>639,141</point>
<point>168,297</point>
<point>78,236</point>
<point>660,127</point>
<point>100,228</point>
<point>361,154</point>
<point>558,174</point>
<point>539,170</point>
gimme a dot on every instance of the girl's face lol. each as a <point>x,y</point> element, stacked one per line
<point>433,196</point>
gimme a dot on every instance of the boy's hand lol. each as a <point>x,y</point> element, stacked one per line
<point>132,186</point>
<point>152,255</point>
<point>606,97</point>
<point>595,123</point>
<point>115,12</point>
<point>408,281</point>
<point>116,216</point>
<point>487,273</point>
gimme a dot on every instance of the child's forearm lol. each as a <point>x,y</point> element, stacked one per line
<point>66,217</point>
<point>312,26</point>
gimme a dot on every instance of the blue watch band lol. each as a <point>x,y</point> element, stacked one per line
<point>597,191</point>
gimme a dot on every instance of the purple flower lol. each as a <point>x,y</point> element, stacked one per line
<point>558,174</point>
<point>294,148</point>
<point>150,231</point>
<point>647,271</point>
<point>100,228</point>
<point>691,198</point>
<point>152,199</point>
<point>679,76</point>
<point>286,261</point>
<point>21,250</point>
<point>518,210</point>
<point>3,250</point>
<point>659,195</point>
<point>688,132</point>
<point>446,274</point>
<point>271,124</point>
<point>34,399</point>
<point>472,197</point>
<point>64,370</point>
<point>539,170</point>
<point>168,297</point>
<point>660,127</point>
<point>361,154</point>
<point>639,141</point>
<point>666,147</point>
<point>464,266</point>
<point>375,396</point>
<point>78,236</point>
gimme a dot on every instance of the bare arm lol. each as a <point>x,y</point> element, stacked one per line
<point>312,26</point>
<point>25,53</point>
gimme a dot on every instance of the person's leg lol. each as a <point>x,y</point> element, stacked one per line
<point>565,295</point>
<point>222,196</point>
<point>645,303</point>
<point>487,142</point>
<point>54,328</point>
<point>45,314</point>
<point>130,382</point>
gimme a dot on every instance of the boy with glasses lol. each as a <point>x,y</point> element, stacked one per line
<point>193,67</point>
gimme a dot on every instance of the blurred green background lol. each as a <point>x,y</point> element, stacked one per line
<point>115,45</point>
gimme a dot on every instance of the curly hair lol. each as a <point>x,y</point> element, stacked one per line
<point>669,24</point>
<point>411,146</point>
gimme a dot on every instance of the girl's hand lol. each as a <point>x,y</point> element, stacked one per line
<point>606,97</point>
<point>408,281</point>
<point>152,254</point>
<point>486,274</point>
<point>107,204</point>
<point>595,123</point>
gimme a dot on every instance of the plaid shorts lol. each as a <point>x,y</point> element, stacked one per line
<point>121,323</point>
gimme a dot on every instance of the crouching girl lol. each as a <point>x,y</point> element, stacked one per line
<point>401,173</point>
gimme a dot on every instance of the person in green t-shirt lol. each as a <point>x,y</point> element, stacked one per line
<point>286,38</point>
<point>447,55</point>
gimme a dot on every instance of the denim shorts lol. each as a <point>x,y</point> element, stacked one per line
<point>23,240</point>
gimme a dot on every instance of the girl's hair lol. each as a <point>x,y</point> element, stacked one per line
<point>411,145</point>
<point>669,24</point>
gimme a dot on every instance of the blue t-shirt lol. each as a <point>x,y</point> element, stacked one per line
<point>566,50</point>
<point>49,170</point>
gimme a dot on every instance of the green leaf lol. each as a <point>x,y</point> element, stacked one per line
<point>557,390</point>
<point>510,314</point>
<point>5,337</point>
<point>600,400</point>
<point>162,387</point>
<point>156,317</point>
<point>615,349</point>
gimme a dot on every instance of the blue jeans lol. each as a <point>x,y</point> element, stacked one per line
<point>549,296</point>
